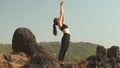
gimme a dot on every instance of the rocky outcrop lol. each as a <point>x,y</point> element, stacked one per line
<point>105,58</point>
<point>27,54</point>
<point>25,41</point>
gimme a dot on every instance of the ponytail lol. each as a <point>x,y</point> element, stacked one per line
<point>54,30</point>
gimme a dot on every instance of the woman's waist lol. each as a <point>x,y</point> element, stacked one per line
<point>66,31</point>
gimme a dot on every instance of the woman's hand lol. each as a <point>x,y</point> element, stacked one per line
<point>62,3</point>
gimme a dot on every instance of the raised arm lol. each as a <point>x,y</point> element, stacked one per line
<point>62,12</point>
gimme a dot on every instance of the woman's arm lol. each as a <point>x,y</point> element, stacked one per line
<point>62,12</point>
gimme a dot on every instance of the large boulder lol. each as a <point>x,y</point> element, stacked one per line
<point>24,41</point>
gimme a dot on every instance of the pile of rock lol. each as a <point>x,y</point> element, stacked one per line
<point>105,58</point>
<point>26,53</point>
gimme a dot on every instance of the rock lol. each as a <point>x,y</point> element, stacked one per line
<point>43,60</point>
<point>101,54</point>
<point>24,41</point>
<point>82,64</point>
<point>101,51</point>
<point>105,58</point>
<point>12,60</point>
<point>92,61</point>
<point>113,52</point>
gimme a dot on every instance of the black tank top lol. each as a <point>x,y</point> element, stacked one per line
<point>63,27</point>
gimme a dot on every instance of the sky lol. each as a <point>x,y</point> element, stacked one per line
<point>95,21</point>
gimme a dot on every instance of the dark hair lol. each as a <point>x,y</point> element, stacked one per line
<point>54,27</point>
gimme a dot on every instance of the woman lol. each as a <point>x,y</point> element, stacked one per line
<point>66,33</point>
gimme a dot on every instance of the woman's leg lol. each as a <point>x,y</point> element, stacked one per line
<point>64,46</point>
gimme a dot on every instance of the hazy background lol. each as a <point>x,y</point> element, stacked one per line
<point>96,21</point>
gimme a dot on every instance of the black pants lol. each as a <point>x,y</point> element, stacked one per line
<point>64,46</point>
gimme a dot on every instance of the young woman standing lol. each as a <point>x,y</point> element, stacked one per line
<point>59,21</point>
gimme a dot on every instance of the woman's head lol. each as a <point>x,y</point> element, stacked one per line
<point>56,21</point>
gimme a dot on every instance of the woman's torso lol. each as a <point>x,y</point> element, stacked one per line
<point>64,28</point>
